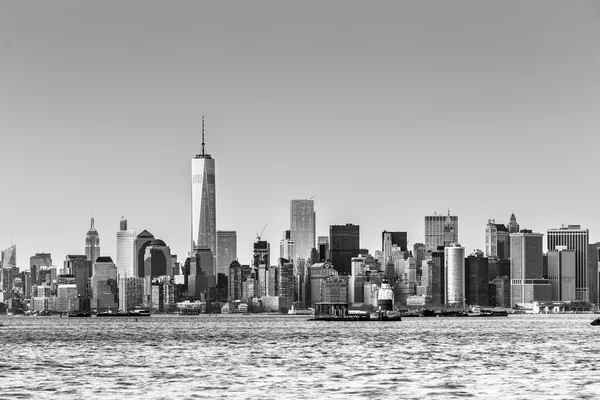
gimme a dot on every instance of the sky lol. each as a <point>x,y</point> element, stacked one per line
<point>383,111</point>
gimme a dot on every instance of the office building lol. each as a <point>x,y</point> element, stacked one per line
<point>285,284</point>
<point>37,261</point>
<point>302,227</point>
<point>104,285</point>
<point>125,251</point>
<point>323,248</point>
<point>440,230</point>
<point>345,244</point>
<point>454,257</point>
<point>226,250</point>
<point>497,240</point>
<point>92,244</point>
<point>142,241</point>
<point>157,260</point>
<point>561,273</point>
<point>204,215</point>
<point>477,280</point>
<point>287,247</point>
<point>389,239</point>
<point>526,269</point>
<point>237,276</point>
<point>572,237</point>
<point>513,227</point>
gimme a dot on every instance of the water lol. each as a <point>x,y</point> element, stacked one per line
<point>522,356</point>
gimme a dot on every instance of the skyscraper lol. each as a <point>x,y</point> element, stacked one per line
<point>226,250</point>
<point>141,242</point>
<point>497,240</point>
<point>287,248</point>
<point>513,227</point>
<point>92,244</point>
<point>440,230</point>
<point>477,279</point>
<point>125,251</point>
<point>157,259</point>
<point>454,256</point>
<point>526,269</point>
<point>9,268</point>
<point>345,244</point>
<point>302,227</point>
<point>204,224</point>
<point>399,239</point>
<point>574,238</point>
<point>561,273</point>
<point>9,257</point>
<point>323,248</point>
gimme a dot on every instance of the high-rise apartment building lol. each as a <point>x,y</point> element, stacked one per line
<point>226,250</point>
<point>526,269</point>
<point>454,256</point>
<point>92,244</point>
<point>575,238</point>
<point>497,240</point>
<point>302,227</point>
<point>125,251</point>
<point>440,230</point>
<point>204,215</point>
<point>345,244</point>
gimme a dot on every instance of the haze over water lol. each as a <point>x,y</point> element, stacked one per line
<point>522,356</point>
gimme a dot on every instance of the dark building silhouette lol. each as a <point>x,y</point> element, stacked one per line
<point>477,280</point>
<point>157,259</point>
<point>439,266</point>
<point>142,241</point>
<point>345,244</point>
<point>399,239</point>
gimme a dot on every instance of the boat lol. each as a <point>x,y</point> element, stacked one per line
<point>80,315</point>
<point>595,322</point>
<point>134,313</point>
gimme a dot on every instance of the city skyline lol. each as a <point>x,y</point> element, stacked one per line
<point>326,123</point>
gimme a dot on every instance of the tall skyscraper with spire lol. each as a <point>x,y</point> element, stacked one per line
<point>513,227</point>
<point>92,244</point>
<point>204,224</point>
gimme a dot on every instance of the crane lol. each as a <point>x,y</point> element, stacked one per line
<point>312,197</point>
<point>261,233</point>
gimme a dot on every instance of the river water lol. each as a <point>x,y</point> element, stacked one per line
<point>272,357</point>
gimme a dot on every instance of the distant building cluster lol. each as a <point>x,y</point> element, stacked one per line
<point>512,272</point>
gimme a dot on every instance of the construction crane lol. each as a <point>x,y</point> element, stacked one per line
<point>261,233</point>
<point>312,197</point>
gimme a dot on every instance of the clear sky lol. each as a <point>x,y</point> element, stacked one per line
<point>384,111</point>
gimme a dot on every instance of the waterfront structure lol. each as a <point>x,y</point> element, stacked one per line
<point>334,289</point>
<point>157,259</point>
<point>385,296</point>
<point>440,230</point>
<point>226,250</point>
<point>92,244</point>
<point>526,269</point>
<point>477,279</point>
<point>104,284</point>
<point>204,215</point>
<point>302,227</point>
<point>575,238</point>
<point>497,240</point>
<point>142,241</point>
<point>561,273</point>
<point>317,273</point>
<point>125,251</point>
<point>345,244</point>
<point>454,257</point>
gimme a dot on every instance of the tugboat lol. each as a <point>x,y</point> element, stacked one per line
<point>595,322</point>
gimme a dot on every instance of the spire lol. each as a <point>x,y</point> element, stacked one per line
<point>92,224</point>
<point>203,145</point>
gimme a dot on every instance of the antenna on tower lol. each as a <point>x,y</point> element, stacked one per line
<point>203,145</point>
